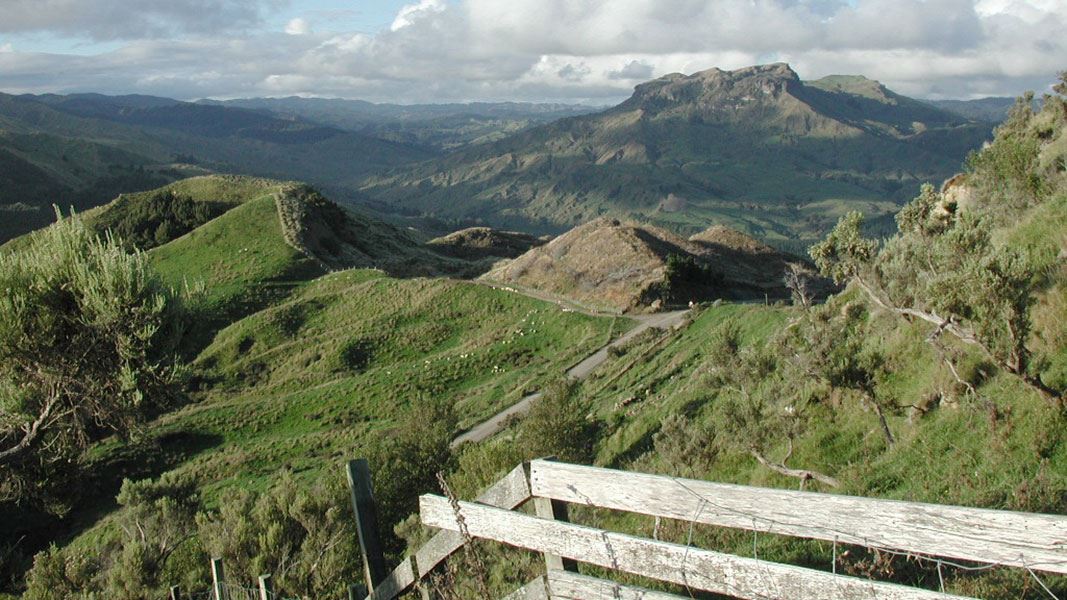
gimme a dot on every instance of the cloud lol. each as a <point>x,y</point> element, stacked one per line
<point>7,47</point>
<point>574,73</point>
<point>595,50</point>
<point>411,13</point>
<point>123,20</point>
<point>298,26</point>
<point>633,70</point>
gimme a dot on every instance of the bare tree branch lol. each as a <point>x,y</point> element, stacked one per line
<point>802,474</point>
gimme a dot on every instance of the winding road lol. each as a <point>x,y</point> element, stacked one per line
<point>495,424</point>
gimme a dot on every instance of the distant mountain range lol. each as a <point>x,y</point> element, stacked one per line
<point>441,126</point>
<point>82,150</point>
<point>990,110</point>
<point>756,149</point>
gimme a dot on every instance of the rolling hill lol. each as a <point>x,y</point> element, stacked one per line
<point>628,266</point>
<point>756,149</point>
<point>991,110</point>
<point>315,331</point>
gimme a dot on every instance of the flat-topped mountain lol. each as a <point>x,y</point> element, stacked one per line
<point>755,148</point>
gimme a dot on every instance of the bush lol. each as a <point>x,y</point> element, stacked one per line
<point>407,463</point>
<point>147,222</point>
<point>87,335</point>
<point>302,534</point>
<point>558,426</point>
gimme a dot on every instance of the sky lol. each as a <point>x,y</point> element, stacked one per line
<point>590,51</point>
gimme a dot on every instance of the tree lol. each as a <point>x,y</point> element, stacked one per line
<point>799,279</point>
<point>558,426</point>
<point>844,252</point>
<point>87,333</point>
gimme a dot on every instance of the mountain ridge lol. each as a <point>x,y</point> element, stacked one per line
<point>757,149</point>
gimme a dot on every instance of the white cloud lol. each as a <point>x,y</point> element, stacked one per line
<point>121,19</point>
<point>633,70</point>
<point>298,26</point>
<point>7,47</point>
<point>594,50</point>
<point>411,13</point>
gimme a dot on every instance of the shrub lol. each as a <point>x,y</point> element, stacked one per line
<point>303,535</point>
<point>407,463</point>
<point>557,425</point>
<point>87,334</point>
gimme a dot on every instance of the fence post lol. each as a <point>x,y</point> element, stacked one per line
<point>266,588</point>
<point>555,510</point>
<point>218,579</point>
<point>357,592</point>
<point>359,482</point>
<point>175,592</point>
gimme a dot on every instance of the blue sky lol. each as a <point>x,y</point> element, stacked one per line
<point>529,50</point>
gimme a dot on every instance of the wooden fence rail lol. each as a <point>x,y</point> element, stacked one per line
<point>1036,542</point>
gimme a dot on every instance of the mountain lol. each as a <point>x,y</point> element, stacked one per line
<point>756,149</point>
<point>441,126</point>
<point>629,266</point>
<point>990,110</point>
<point>85,149</point>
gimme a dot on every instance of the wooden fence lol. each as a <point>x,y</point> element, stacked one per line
<point>1035,542</point>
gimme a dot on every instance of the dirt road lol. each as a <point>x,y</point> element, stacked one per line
<point>495,424</point>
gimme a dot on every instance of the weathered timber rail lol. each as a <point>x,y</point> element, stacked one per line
<point>1036,542</point>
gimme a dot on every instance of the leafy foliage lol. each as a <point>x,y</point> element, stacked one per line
<point>86,335</point>
<point>407,463</point>
<point>558,425</point>
<point>844,251</point>
<point>156,548</point>
<point>302,533</point>
<point>147,222</point>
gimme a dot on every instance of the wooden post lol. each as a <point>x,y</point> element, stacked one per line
<point>356,592</point>
<point>557,511</point>
<point>175,592</point>
<point>218,579</point>
<point>266,588</point>
<point>370,545</point>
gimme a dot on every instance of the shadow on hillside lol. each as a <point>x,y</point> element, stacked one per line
<point>90,491</point>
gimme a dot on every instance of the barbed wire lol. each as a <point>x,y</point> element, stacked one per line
<point>874,544</point>
<point>232,591</point>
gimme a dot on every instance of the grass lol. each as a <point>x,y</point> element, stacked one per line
<point>1006,450</point>
<point>284,389</point>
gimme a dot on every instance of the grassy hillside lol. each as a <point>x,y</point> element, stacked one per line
<point>325,376</point>
<point>888,405</point>
<point>292,367</point>
<point>629,266</point>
